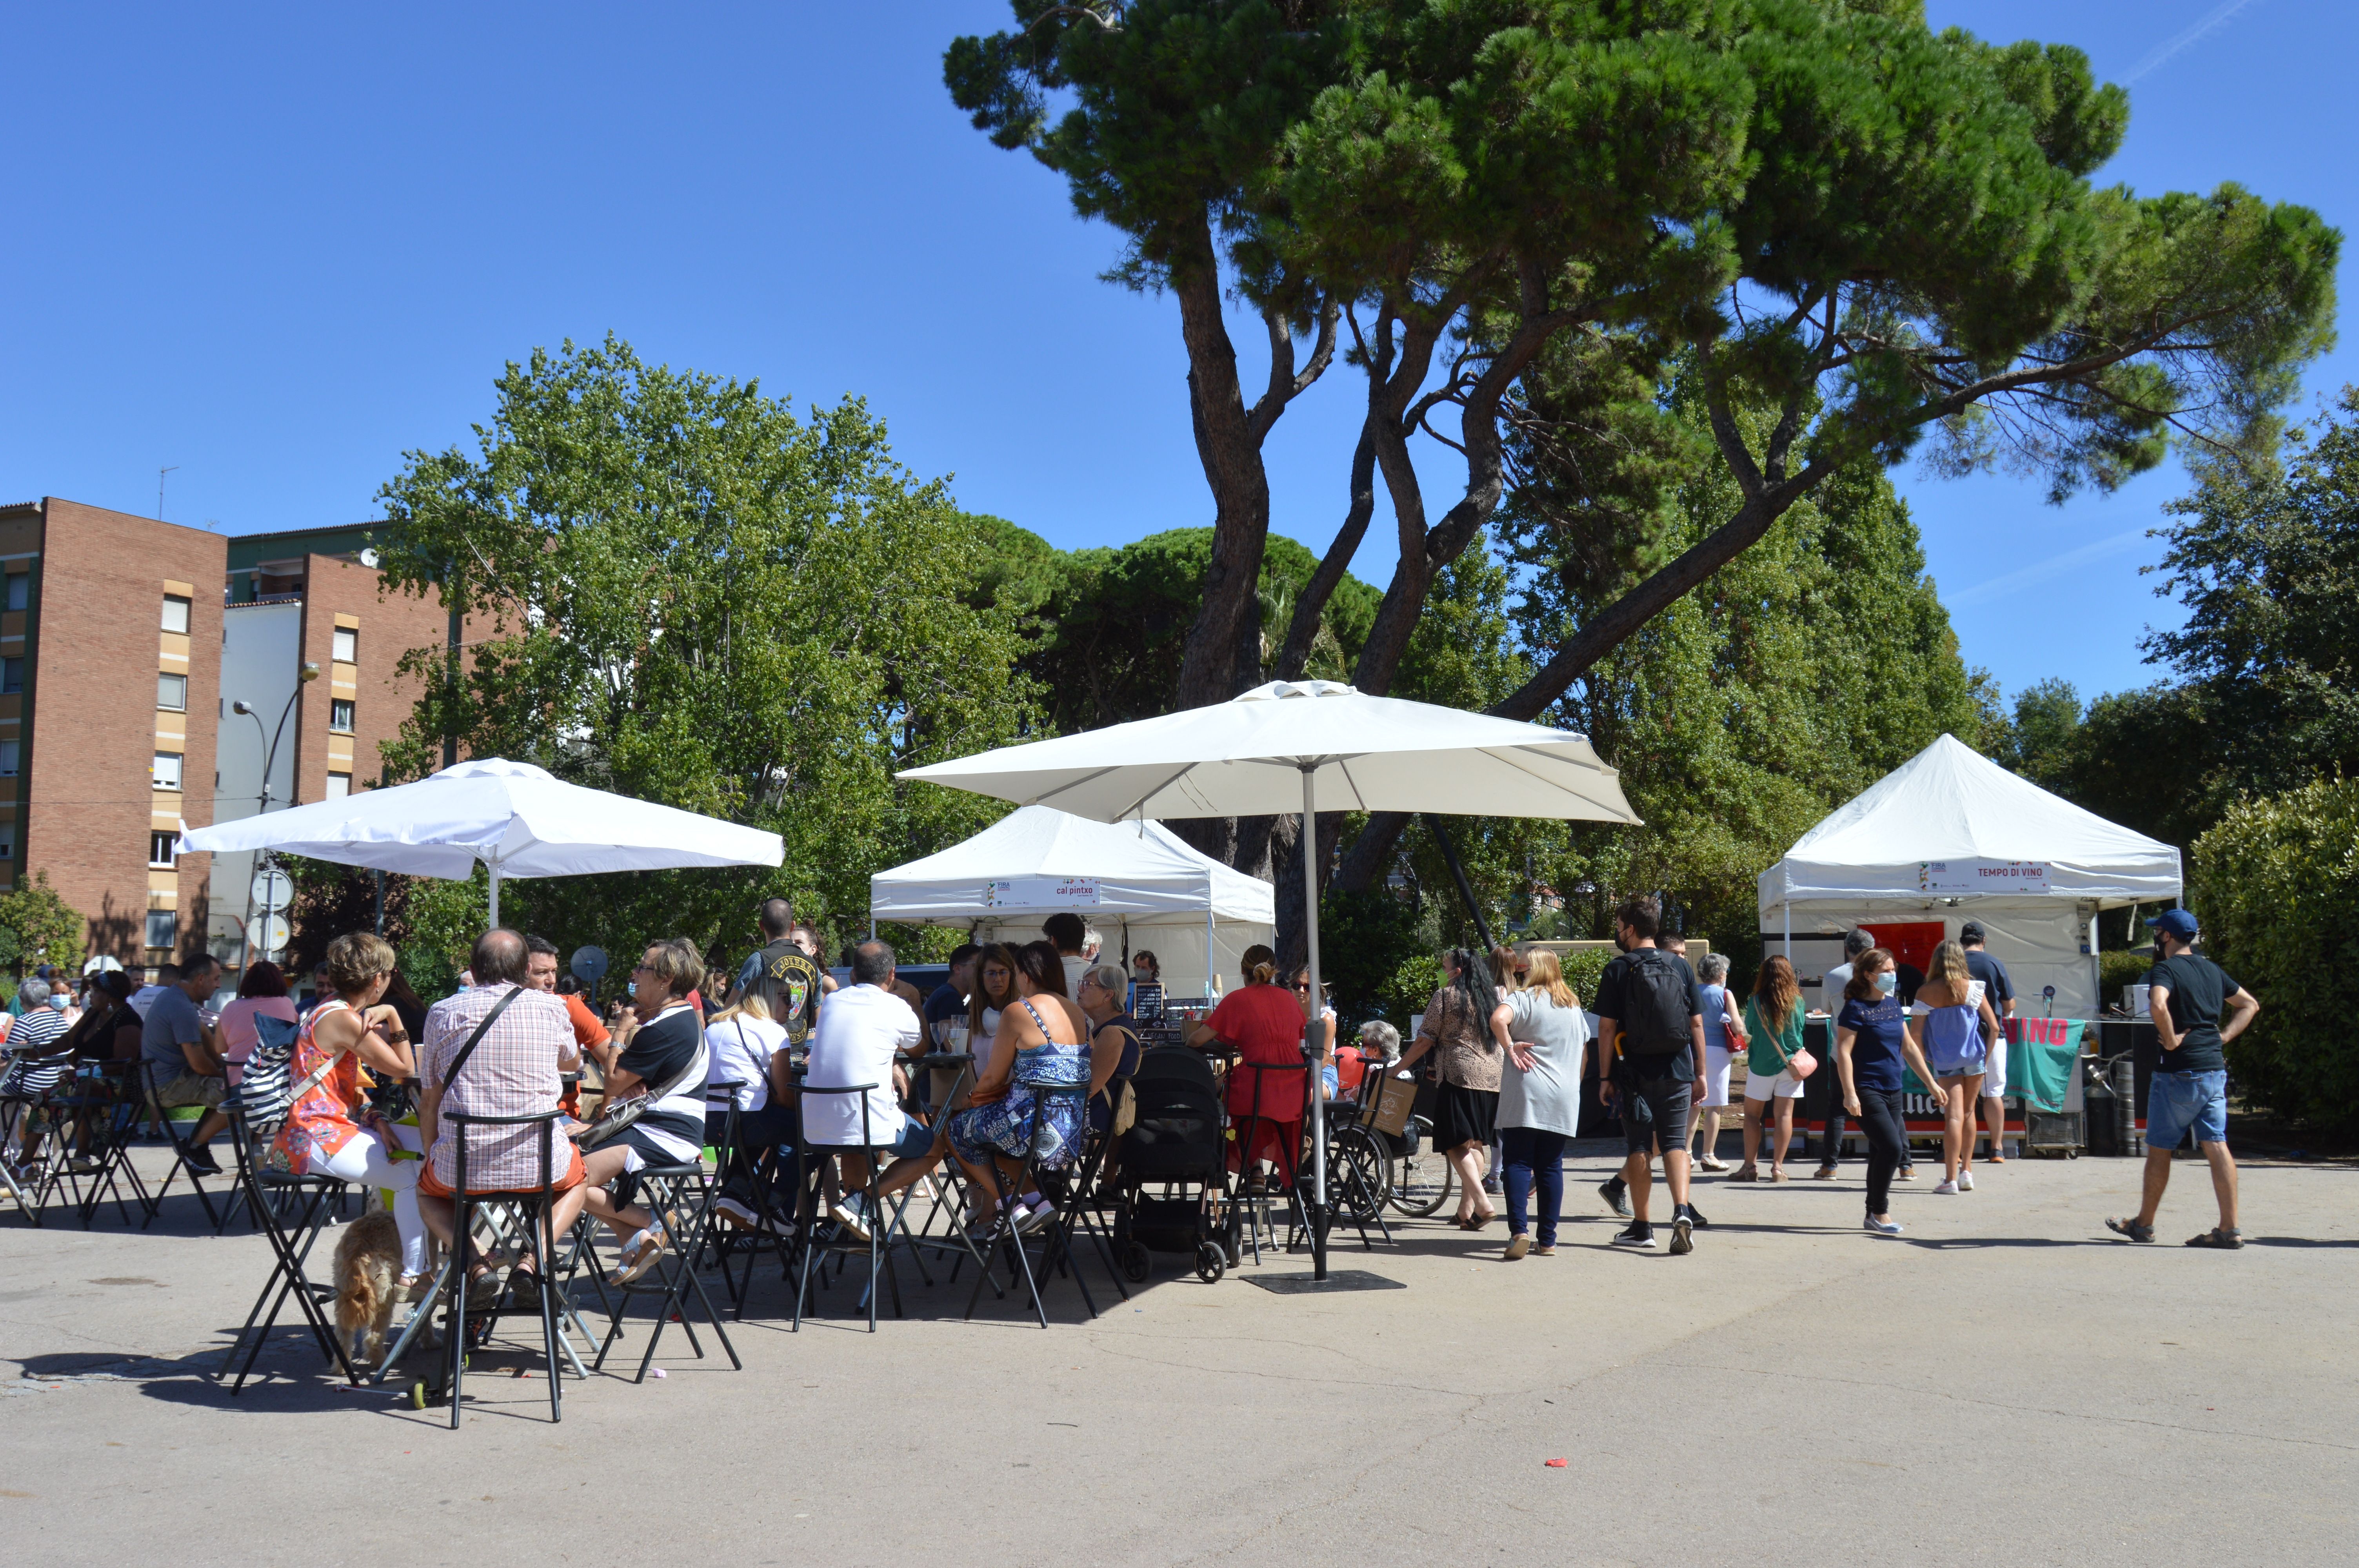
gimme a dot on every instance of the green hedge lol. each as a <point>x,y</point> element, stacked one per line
<point>2275,885</point>
<point>2117,970</point>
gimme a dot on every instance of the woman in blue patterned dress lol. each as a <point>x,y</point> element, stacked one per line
<point>1042,1043</point>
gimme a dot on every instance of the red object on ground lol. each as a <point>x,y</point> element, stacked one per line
<point>1557,1464</point>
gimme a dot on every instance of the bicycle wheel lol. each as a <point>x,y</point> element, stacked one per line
<point>1359,1177</point>
<point>1421,1181</point>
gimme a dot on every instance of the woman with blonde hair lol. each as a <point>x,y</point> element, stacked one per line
<point>1954,1026</point>
<point>1545,1035</point>
<point>332,1129</point>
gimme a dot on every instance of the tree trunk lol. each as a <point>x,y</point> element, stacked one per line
<point>1228,625</point>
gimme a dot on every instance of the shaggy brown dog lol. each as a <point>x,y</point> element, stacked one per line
<point>368,1262</point>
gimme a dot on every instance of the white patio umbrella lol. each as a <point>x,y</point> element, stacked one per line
<point>515,818</point>
<point>1296,746</point>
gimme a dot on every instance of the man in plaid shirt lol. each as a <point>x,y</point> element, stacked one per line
<point>513,1071</point>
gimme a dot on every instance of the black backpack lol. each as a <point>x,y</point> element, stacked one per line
<point>1655,1010</point>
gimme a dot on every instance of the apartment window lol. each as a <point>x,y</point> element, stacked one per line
<point>176,613</point>
<point>339,715</point>
<point>20,590</point>
<point>10,750</point>
<point>168,772</point>
<point>172,693</point>
<point>8,843</point>
<point>12,676</point>
<point>163,928</point>
<point>344,645</point>
<point>159,848</point>
<point>339,785</point>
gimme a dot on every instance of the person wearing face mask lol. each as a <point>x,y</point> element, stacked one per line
<point>1872,1046</point>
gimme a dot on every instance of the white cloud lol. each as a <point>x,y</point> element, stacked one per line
<point>2044,571</point>
<point>2219,17</point>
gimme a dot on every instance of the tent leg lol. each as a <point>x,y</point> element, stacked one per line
<point>493,924</point>
<point>1314,1031</point>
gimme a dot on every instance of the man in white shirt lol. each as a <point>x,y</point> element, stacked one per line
<point>862,1030</point>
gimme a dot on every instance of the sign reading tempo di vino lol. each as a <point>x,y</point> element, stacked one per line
<point>1982,876</point>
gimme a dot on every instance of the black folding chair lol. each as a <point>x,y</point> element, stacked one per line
<point>1003,1233</point>
<point>681,1202</point>
<point>152,1086</point>
<point>525,1213</point>
<point>812,1187</point>
<point>1250,1207</point>
<point>107,1099</point>
<point>287,1276</point>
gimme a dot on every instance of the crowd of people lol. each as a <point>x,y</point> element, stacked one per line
<point>1013,1063</point>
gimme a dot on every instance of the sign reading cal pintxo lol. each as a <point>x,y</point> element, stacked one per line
<point>1983,876</point>
<point>1033,893</point>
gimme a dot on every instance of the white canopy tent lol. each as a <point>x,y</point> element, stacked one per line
<point>1950,836</point>
<point>517,819</point>
<point>1196,914</point>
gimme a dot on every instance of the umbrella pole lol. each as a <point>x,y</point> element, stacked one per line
<point>494,924</point>
<point>1314,1031</point>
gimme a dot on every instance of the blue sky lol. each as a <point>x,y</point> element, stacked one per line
<point>275,247</point>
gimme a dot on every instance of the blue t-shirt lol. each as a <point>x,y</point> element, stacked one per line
<point>171,1022</point>
<point>1712,1001</point>
<point>1880,1027</point>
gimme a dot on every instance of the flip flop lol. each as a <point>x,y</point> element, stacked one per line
<point>2133,1229</point>
<point>2226,1240</point>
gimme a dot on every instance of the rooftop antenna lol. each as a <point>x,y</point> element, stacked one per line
<point>159,491</point>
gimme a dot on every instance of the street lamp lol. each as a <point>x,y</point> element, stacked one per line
<point>308,673</point>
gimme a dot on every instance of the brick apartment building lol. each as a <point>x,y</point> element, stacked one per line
<point>307,597</point>
<point>107,695</point>
<point>125,643</point>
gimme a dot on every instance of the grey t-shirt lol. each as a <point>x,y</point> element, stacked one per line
<point>1548,1097</point>
<point>171,1021</point>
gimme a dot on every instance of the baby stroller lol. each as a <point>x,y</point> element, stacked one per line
<point>1174,1171</point>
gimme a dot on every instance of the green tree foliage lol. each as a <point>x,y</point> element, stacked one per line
<point>2266,561</point>
<point>696,596</point>
<point>2275,882</point>
<point>44,928</point>
<point>2268,568</point>
<point>1104,627</point>
<point>1879,233</point>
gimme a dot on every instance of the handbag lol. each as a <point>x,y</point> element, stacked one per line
<point>266,1090</point>
<point>617,1115</point>
<point>1801,1064</point>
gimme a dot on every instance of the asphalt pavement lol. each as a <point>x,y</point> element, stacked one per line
<point>2005,1384</point>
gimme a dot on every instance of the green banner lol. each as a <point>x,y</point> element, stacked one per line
<point>2039,1056</point>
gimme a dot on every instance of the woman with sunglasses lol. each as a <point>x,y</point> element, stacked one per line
<point>1328,1082</point>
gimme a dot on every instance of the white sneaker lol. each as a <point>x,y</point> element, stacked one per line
<point>851,1213</point>
<point>1946,1188</point>
<point>1881,1226</point>
<point>1033,1216</point>
<point>1965,1181</point>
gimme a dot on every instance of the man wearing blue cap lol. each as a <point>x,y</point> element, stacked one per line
<point>2186,995</point>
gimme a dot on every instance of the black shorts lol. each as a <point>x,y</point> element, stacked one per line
<point>1655,1113</point>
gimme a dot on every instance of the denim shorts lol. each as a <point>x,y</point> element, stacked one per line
<point>2177,1101</point>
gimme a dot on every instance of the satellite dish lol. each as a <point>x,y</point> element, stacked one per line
<point>368,557</point>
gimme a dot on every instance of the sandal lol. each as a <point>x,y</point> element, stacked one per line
<point>1777,1175</point>
<point>1711,1162</point>
<point>2133,1229</point>
<point>1746,1174</point>
<point>2218,1237</point>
